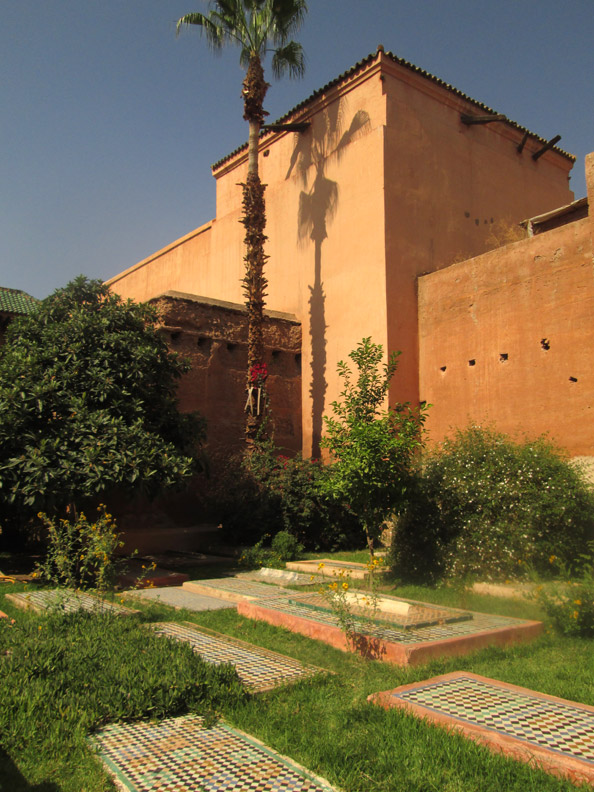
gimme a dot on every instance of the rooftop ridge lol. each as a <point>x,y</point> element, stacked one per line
<point>406,64</point>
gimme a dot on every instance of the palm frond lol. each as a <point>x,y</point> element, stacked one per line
<point>289,58</point>
<point>214,34</point>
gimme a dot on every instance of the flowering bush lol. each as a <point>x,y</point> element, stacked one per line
<point>80,554</point>
<point>356,611</point>
<point>258,375</point>
<point>486,505</point>
<point>570,600</point>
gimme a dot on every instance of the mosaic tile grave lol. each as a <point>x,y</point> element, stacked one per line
<point>235,589</point>
<point>177,597</point>
<point>280,577</point>
<point>329,567</point>
<point>530,726</point>
<point>181,755</point>
<point>258,669</point>
<point>419,615</point>
<point>66,600</point>
<point>403,645</point>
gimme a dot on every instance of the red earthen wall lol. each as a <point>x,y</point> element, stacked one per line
<point>213,336</point>
<point>508,337</point>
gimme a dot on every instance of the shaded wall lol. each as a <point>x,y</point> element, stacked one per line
<point>213,336</point>
<point>508,338</point>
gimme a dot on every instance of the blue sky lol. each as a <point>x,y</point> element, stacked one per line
<point>110,123</point>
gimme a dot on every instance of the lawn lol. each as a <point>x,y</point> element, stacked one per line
<point>74,675</point>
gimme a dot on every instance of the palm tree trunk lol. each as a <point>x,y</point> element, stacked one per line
<point>254,220</point>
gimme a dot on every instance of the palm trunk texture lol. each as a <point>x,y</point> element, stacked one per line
<point>254,220</point>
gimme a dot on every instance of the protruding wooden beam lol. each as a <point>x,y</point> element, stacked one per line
<point>481,119</point>
<point>552,142</point>
<point>520,147</point>
<point>302,126</point>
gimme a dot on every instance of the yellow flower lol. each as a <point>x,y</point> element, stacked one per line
<point>552,559</point>
<point>574,615</point>
<point>39,628</point>
<point>312,577</point>
<point>345,586</point>
<point>577,602</point>
<point>320,565</point>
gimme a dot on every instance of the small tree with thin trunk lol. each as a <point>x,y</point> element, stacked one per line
<point>256,26</point>
<point>371,445</point>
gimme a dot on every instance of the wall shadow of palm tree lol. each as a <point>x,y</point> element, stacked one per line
<point>317,208</point>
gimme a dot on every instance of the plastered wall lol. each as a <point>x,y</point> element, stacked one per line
<point>507,338</point>
<point>386,184</point>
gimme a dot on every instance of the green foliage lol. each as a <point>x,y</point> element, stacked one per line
<point>487,506</point>
<point>67,674</point>
<point>262,492</point>
<point>88,403</point>
<point>372,446</point>
<point>569,601</point>
<point>80,554</point>
<point>284,547</point>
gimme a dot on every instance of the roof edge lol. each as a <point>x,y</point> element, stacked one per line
<point>362,64</point>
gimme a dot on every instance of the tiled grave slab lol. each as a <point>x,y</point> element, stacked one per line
<point>178,597</point>
<point>416,615</point>
<point>67,600</point>
<point>329,567</point>
<point>280,577</point>
<point>235,589</point>
<point>532,727</point>
<point>181,755</point>
<point>258,669</point>
<point>411,646</point>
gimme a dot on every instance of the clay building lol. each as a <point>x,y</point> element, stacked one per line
<point>379,213</point>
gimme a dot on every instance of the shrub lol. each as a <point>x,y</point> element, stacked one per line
<point>284,547</point>
<point>80,554</point>
<point>372,446</point>
<point>486,505</point>
<point>262,492</point>
<point>569,601</point>
<point>88,404</point>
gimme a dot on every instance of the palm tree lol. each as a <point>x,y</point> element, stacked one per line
<point>257,27</point>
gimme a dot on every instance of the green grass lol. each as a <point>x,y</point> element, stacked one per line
<point>324,723</point>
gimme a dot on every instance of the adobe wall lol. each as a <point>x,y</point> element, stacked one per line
<point>508,338</point>
<point>213,336</point>
<point>448,186</point>
<point>325,226</point>
<point>384,185</point>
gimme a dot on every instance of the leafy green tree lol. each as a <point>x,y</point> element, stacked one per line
<point>88,404</point>
<point>257,27</point>
<point>371,445</point>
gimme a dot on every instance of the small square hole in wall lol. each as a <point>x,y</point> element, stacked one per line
<point>230,346</point>
<point>503,357</point>
<point>472,362</point>
<point>442,368</point>
<point>175,336</point>
<point>573,379</point>
<point>545,344</point>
